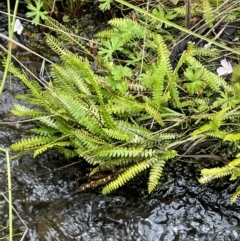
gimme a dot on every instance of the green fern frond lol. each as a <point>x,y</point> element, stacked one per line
<point>48,121</point>
<point>88,140</point>
<point>127,175</point>
<point>76,62</point>
<point>196,104</point>
<point>140,134</point>
<point>213,173</point>
<point>149,153</point>
<point>232,137</point>
<point>66,152</point>
<point>158,85</point>
<point>234,163</point>
<point>235,196</point>
<point>180,10</point>
<point>163,52</point>
<point>136,87</point>
<point>127,106</point>
<point>134,28</point>
<point>51,22</point>
<point>219,134</point>
<point>120,152</point>
<point>232,168</point>
<point>44,131</point>
<point>159,137</point>
<point>32,142</point>
<point>111,164</point>
<point>108,120</point>
<point>45,147</point>
<point>107,33</point>
<point>169,154</point>
<point>69,79</point>
<point>212,80</point>
<point>235,174</point>
<point>54,44</point>
<point>207,52</point>
<point>208,13</point>
<point>202,129</point>
<point>21,110</point>
<point>33,85</point>
<point>154,114</point>
<point>155,174</point>
<point>217,119</point>
<point>80,114</point>
<point>118,135</point>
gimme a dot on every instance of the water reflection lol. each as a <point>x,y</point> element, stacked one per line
<point>52,213</point>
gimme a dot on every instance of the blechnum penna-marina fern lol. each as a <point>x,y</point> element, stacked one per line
<point>125,116</point>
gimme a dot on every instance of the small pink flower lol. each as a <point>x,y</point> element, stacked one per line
<point>225,69</point>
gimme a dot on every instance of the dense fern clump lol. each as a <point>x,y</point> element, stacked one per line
<point>124,117</point>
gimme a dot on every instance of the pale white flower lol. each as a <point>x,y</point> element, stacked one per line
<point>18,27</point>
<point>225,69</point>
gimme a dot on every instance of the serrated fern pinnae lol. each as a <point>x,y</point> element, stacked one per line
<point>155,174</point>
<point>231,169</point>
<point>123,123</point>
<point>127,175</point>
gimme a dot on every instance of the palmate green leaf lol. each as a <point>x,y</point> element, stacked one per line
<point>130,173</point>
<point>36,12</point>
<point>105,4</point>
<point>109,47</point>
<point>211,80</point>
<point>196,85</point>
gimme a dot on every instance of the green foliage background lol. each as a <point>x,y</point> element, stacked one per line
<point>133,111</point>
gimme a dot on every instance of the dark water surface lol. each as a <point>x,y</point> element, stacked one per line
<point>46,202</point>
